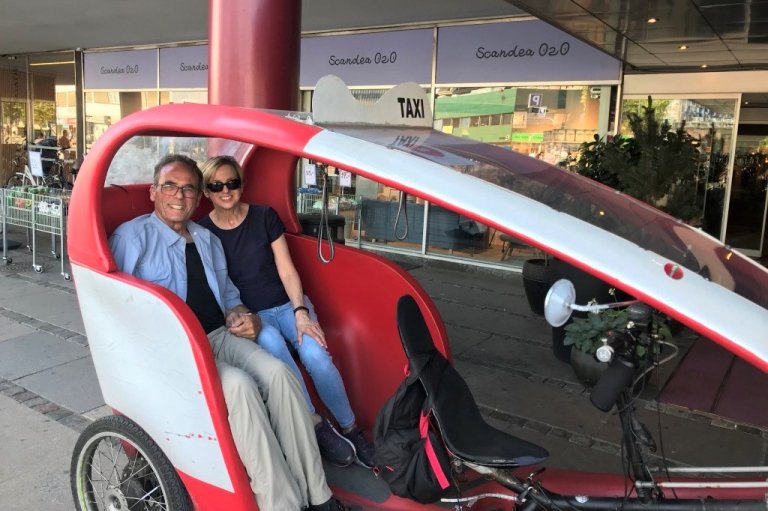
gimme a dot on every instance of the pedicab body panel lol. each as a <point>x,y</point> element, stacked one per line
<point>152,358</point>
<point>354,295</point>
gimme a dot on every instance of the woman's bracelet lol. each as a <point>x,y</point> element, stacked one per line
<point>300,308</point>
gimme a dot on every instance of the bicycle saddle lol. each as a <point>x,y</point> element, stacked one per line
<point>464,431</point>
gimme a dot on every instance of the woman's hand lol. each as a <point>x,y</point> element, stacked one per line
<point>243,324</point>
<point>306,326</point>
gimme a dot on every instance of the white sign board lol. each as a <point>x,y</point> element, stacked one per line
<point>378,58</point>
<point>185,67</point>
<point>519,51</point>
<point>403,105</point>
<point>345,178</point>
<point>36,163</point>
<point>120,70</point>
<point>310,174</point>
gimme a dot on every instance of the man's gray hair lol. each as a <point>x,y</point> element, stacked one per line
<point>184,160</point>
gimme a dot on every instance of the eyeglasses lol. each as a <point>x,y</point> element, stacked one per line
<point>231,184</point>
<point>172,189</point>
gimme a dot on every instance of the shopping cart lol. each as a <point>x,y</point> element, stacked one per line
<point>38,210</point>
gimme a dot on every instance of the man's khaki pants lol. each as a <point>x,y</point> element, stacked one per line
<point>271,425</point>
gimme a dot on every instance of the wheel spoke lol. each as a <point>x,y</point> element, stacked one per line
<point>117,470</point>
<point>149,499</point>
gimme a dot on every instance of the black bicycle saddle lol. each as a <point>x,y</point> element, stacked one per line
<point>464,431</point>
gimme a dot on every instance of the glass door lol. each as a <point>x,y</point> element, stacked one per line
<point>748,200</point>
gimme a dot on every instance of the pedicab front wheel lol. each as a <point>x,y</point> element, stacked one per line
<point>117,466</point>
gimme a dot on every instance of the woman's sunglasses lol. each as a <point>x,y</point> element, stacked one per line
<point>232,184</point>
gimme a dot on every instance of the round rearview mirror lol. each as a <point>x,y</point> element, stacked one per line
<point>558,302</point>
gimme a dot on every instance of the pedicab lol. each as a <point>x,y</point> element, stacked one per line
<point>168,444</point>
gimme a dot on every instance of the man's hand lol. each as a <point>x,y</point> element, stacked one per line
<point>243,324</point>
<point>305,326</point>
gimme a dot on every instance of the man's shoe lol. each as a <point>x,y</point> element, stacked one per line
<point>331,504</point>
<point>333,446</point>
<point>364,449</point>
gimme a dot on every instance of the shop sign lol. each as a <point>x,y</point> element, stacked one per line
<point>380,58</point>
<point>528,137</point>
<point>185,67</point>
<point>120,70</point>
<point>516,52</point>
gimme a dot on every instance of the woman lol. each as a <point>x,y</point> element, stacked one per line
<point>260,266</point>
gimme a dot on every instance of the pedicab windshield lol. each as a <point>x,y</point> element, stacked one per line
<point>582,198</point>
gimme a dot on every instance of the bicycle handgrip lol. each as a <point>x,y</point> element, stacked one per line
<point>612,382</point>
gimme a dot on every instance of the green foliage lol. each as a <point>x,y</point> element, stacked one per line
<point>658,164</point>
<point>593,164</point>
<point>586,334</point>
<point>636,106</point>
<point>44,112</point>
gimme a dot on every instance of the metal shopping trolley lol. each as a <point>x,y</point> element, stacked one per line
<point>43,211</point>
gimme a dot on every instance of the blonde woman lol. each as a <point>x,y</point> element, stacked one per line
<point>261,268</point>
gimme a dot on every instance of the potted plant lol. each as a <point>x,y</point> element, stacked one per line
<point>585,335</point>
<point>536,282</point>
<point>658,164</point>
<point>588,288</point>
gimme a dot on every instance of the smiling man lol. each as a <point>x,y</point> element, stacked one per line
<point>270,421</point>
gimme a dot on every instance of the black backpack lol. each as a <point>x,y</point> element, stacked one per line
<point>410,455</point>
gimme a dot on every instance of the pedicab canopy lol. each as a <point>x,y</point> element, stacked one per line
<point>654,257</point>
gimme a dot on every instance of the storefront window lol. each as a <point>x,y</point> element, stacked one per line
<point>389,217</point>
<point>175,97</point>
<point>710,121</point>
<point>44,117</point>
<point>66,113</point>
<point>103,108</point>
<point>746,224</point>
<point>546,122</point>
<point>13,116</point>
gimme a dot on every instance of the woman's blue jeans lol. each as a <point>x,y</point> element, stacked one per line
<point>315,359</point>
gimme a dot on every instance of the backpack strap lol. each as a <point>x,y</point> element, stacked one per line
<point>429,449</point>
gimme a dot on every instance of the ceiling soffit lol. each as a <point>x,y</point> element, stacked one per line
<point>718,34</point>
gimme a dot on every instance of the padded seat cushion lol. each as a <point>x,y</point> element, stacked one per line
<point>463,429</point>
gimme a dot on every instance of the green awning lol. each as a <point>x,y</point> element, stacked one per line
<point>470,105</point>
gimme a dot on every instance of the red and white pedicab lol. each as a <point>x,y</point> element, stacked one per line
<point>168,446</point>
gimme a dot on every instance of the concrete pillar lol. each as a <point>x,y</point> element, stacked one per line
<point>254,50</point>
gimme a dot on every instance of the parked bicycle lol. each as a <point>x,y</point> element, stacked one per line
<point>54,177</point>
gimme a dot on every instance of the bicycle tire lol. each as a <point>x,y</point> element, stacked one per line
<point>141,479</point>
<point>53,182</point>
<point>15,180</point>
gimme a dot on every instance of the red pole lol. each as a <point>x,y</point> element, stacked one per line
<point>254,48</point>
<point>253,53</point>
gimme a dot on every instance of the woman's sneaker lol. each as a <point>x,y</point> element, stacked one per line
<point>364,449</point>
<point>331,504</point>
<point>333,446</point>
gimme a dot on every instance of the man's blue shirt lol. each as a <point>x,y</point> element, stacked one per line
<point>150,250</point>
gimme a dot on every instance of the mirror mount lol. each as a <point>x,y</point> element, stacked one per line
<point>559,303</point>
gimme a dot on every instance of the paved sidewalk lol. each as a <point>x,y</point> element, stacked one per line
<point>49,392</point>
<point>35,450</point>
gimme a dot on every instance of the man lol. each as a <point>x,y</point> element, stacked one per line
<point>64,141</point>
<point>270,422</point>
